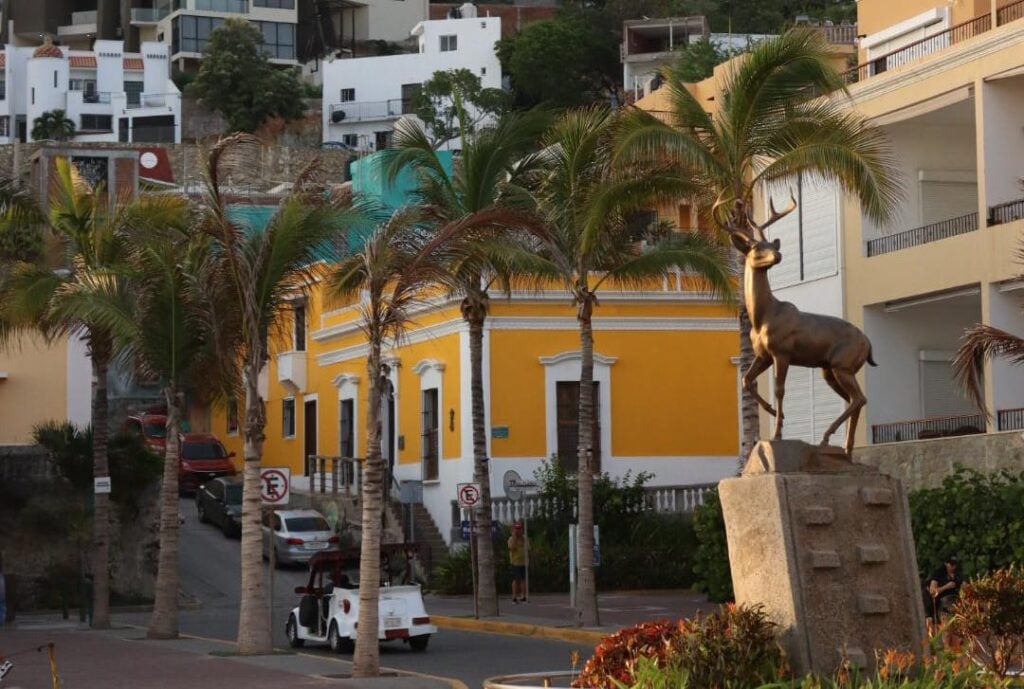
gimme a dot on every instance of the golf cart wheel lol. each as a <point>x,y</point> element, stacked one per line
<point>291,630</point>
<point>419,643</point>
<point>337,643</point>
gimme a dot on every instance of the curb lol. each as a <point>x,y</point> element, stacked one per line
<point>577,636</point>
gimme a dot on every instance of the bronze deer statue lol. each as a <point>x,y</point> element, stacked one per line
<point>784,336</point>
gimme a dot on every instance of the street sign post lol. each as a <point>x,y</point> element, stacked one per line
<point>275,490</point>
<point>468,494</point>
<point>101,484</point>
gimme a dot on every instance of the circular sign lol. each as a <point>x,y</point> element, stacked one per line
<point>469,495</point>
<point>510,482</point>
<point>273,486</point>
<point>148,160</point>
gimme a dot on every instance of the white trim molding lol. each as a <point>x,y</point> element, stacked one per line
<point>345,379</point>
<point>425,365</point>
<point>576,355</point>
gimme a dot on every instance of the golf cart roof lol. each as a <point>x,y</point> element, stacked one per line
<point>337,560</point>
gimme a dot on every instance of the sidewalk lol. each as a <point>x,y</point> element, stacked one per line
<point>550,615</point>
<point>122,658</point>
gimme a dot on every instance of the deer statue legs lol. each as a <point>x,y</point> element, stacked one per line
<point>758,366</point>
<point>781,369</point>
<point>846,386</point>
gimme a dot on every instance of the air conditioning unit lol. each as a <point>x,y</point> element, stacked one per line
<point>337,116</point>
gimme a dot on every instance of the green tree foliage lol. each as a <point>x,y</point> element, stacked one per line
<point>441,98</point>
<point>697,60</point>
<point>237,79</point>
<point>21,226</point>
<point>572,59</point>
<point>712,574</point>
<point>54,126</point>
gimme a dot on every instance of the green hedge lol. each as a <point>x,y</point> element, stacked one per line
<point>978,517</point>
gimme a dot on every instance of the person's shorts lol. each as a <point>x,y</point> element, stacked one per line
<point>518,571</point>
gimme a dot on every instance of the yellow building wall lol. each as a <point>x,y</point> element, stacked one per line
<point>876,15</point>
<point>35,389</point>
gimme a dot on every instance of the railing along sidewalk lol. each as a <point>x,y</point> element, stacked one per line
<point>659,499</point>
<point>329,474</point>
<point>923,429</point>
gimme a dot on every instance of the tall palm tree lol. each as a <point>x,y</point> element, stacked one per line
<point>153,311</point>
<point>390,270</point>
<point>476,207</point>
<point>53,125</point>
<point>587,197</point>
<point>773,124</point>
<point>87,228</point>
<point>252,276</point>
<point>978,344</point>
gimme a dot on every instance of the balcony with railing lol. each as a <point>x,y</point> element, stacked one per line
<point>1007,212</point>
<point>366,111</point>
<point>82,24</point>
<point>925,234</point>
<point>924,429</point>
<point>151,100</point>
<point>1010,419</point>
<point>149,15</point>
<point>1010,12</point>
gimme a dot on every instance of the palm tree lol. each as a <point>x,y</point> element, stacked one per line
<point>978,344</point>
<point>586,197</point>
<point>153,311</point>
<point>476,207</point>
<point>773,124</point>
<point>53,125</point>
<point>252,276</point>
<point>88,229</point>
<point>390,270</point>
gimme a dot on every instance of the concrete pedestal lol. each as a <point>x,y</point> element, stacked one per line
<point>825,546</point>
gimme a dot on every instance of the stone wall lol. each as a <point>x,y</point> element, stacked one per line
<point>924,463</point>
<point>276,164</point>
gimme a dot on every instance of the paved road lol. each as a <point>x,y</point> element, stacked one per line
<point>210,572</point>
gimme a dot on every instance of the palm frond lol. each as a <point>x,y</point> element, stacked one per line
<point>978,344</point>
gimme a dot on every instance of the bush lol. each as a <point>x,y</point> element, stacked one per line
<point>989,618</point>
<point>735,647</point>
<point>979,517</point>
<point>712,573</point>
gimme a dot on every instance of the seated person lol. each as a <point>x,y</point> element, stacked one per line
<point>943,587</point>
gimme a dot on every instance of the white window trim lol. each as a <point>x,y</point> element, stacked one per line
<point>348,389</point>
<point>566,367</point>
<point>295,420</point>
<point>431,373</point>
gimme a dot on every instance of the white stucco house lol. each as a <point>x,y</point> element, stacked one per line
<point>363,98</point>
<point>110,95</point>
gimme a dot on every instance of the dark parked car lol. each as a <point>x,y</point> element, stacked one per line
<point>203,457</point>
<point>220,501</point>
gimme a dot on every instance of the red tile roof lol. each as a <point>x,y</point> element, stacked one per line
<point>82,62</point>
<point>134,63</point>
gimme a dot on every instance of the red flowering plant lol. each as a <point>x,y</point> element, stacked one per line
<point>734,647</point>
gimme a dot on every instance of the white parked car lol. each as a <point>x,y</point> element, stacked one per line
<point>298,535</point>
<point>327,612</point>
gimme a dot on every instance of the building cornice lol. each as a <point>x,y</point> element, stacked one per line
<point>426,365</point>
<point>575,355</point>
<point>343,378</point>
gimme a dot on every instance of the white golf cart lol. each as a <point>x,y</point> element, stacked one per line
<point>329,615</point>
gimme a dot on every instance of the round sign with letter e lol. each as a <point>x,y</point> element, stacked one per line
<point>274,485</point>
<point>468,494</point>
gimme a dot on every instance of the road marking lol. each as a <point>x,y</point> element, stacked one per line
<point>576,636</point>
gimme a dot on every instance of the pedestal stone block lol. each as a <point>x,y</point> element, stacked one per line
<point>825,547</point>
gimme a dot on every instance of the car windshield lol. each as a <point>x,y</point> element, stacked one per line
<point>307,524</point>
<point>203,450</point>
<point>233,494</point>
<point>152,430</point>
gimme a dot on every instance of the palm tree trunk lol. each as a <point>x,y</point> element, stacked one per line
<point>488,593</point>
<point>164,622</point>
<point>586,585</point>
<point>750,413</point>
<point>366,661</point>
<point>99,347</point>
<point>254,634</point>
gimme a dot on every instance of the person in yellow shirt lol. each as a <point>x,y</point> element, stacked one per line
<point>517,562</point>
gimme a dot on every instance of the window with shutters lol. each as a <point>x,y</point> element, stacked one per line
<point>299,313</point>
<point>449,42</point>
<point>348,427</point>
<point>288,418</point>
<point>428,438</point>
<point>939,393</point>
<point>568,418</point>
<point>409,93</point>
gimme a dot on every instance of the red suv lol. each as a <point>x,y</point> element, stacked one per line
<point>151,427</point>
<point>203,457</point>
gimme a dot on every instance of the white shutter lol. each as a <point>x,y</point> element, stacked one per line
<point>787,273</point>
<point>819,210</point>
<point>939,393</point>
<point>945,200</point>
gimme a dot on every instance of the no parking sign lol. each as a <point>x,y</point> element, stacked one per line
<point>274,485</point>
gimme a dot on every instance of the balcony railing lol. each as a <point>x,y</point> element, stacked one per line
<point>149,100</point>
<point>1002,213</point>
<point>920,48</point>
<point>96,96</point>
<point>923,429</point>
<point>86,17</point>
<point>1010,419</point>
<point>367,110</point>
<point>840,34</point>
<point>1009,13</point>
<point>923,235</point>
<point>148,15</point>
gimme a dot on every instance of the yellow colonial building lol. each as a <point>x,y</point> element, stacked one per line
<point>664,371</point>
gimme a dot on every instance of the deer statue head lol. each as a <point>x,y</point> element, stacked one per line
<point>760,253</point>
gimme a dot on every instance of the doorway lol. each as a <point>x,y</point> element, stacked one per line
<point>309,446</point>
<point>387,428</point>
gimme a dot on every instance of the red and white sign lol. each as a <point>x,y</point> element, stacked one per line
<point>274,485</point>
<point>468,494</point>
